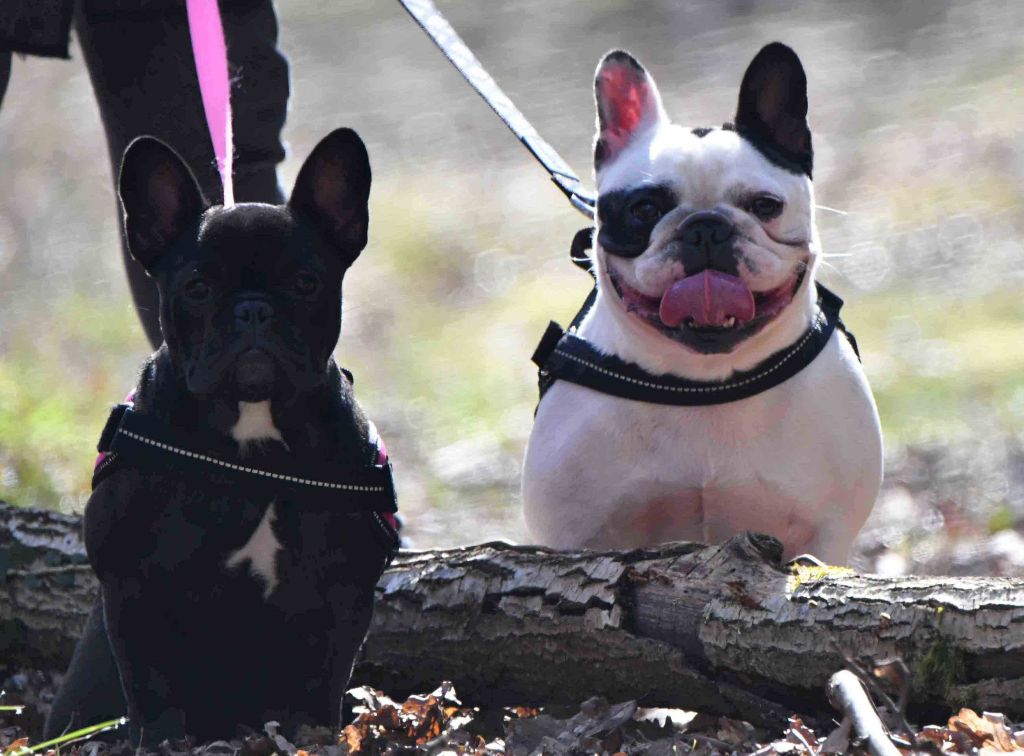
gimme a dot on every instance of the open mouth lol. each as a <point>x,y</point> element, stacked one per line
<point>710,310</point>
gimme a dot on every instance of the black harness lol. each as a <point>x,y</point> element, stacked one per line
<point>133,439</point>
<point>563,355</point>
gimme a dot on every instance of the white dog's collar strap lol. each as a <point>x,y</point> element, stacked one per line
<point>562,355</point>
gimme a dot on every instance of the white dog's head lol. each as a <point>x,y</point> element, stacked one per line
<point>705,238</point>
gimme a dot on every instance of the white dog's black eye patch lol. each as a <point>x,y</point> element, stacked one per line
<point>628,216</point>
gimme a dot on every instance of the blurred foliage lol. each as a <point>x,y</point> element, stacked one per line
<point>915,109</point>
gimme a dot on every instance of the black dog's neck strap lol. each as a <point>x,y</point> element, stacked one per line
<point>564,355</point>
<point>131,438</point>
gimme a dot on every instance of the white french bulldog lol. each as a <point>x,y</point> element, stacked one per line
<point>705,254</point>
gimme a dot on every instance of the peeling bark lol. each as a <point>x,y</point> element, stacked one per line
<point>723,629</point>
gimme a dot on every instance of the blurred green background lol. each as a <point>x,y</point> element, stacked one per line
<point>916,109</point>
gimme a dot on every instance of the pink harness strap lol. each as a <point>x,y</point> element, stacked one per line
<point>382,459</point>
<point>211,57</point>
<point>101,458</point>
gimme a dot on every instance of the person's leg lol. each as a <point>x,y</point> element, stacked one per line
<point>90,692</point>
<point>143,75</point>
<point>5,72</point>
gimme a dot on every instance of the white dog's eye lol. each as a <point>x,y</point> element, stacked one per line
<point>766,206</point>
<point>646,212</point>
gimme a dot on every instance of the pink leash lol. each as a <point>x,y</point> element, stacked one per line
<point>211,57</point>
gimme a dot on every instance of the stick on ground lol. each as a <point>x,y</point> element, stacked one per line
<point>847,694</point>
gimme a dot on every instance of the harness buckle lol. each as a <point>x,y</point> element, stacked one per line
<point>548,342</point>
<point>112,425</point>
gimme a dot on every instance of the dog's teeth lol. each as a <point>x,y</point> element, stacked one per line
<point>730,322</point>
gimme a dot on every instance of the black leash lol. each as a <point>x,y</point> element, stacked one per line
<point>562,355</point>
<point>426,14</point>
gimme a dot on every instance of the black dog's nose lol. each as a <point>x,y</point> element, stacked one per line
<point>706,239</point>
<point>253,312</point>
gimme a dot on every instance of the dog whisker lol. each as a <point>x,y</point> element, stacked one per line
<point>830,266</point>
<point>826,208</point>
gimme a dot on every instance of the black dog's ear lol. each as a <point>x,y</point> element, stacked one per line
<point>333,189</point>
<point>627,103</point>
<point>772,109</point>
<point>160,197</point>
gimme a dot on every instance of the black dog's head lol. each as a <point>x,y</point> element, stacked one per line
<point>250,295</point>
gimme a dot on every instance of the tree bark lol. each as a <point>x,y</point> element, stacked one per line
<point>722,629</point>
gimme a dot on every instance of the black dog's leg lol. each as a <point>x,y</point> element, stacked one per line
<point>347,639</point>
<point>140,63</point>
<point>91,691</point>
<point>147,674</point>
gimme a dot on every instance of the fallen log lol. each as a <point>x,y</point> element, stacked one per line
<point>722,629</point>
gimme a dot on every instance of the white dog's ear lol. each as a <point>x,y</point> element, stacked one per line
<point>628,103</point>
<point>772,108</point>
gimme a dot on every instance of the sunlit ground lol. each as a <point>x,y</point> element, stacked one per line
<point>917,128</point>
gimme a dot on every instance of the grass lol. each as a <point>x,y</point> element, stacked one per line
<point>944,368</point>
<point>24,748</point>
<point>440,322</point>
<point>441,351</point>
<point>916,134</point>
<point>61,373</point>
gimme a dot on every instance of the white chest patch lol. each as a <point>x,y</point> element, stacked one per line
<point>260,551</point>
<point>255,423</point>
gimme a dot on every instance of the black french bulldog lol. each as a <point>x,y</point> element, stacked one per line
<point>229,597</point>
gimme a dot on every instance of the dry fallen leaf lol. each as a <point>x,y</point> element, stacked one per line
<point>352,737</point>
<point>988,732</point>
<point>802,735</point>
<point>522,712</point>
<point>16,745</point>
<point>415,723</point>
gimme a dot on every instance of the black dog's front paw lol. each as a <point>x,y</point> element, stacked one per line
<point>150,732</point>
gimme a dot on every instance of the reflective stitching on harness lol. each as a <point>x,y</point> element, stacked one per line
<point>690,389</point>
<point>252,470</point>
<point>383,526</point>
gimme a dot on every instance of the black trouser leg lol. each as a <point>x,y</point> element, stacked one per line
<point>91,690</point>
<point>5,72</point>
<point>144,79</point>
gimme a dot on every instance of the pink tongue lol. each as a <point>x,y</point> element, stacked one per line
<point>709,298</point>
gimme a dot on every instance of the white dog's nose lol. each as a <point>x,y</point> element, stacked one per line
<point>706,241</point>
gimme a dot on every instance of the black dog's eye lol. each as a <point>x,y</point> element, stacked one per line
<point>197,289</point>
<point>645,212</point>
<point>766,207</point>
<point>306,284</point>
